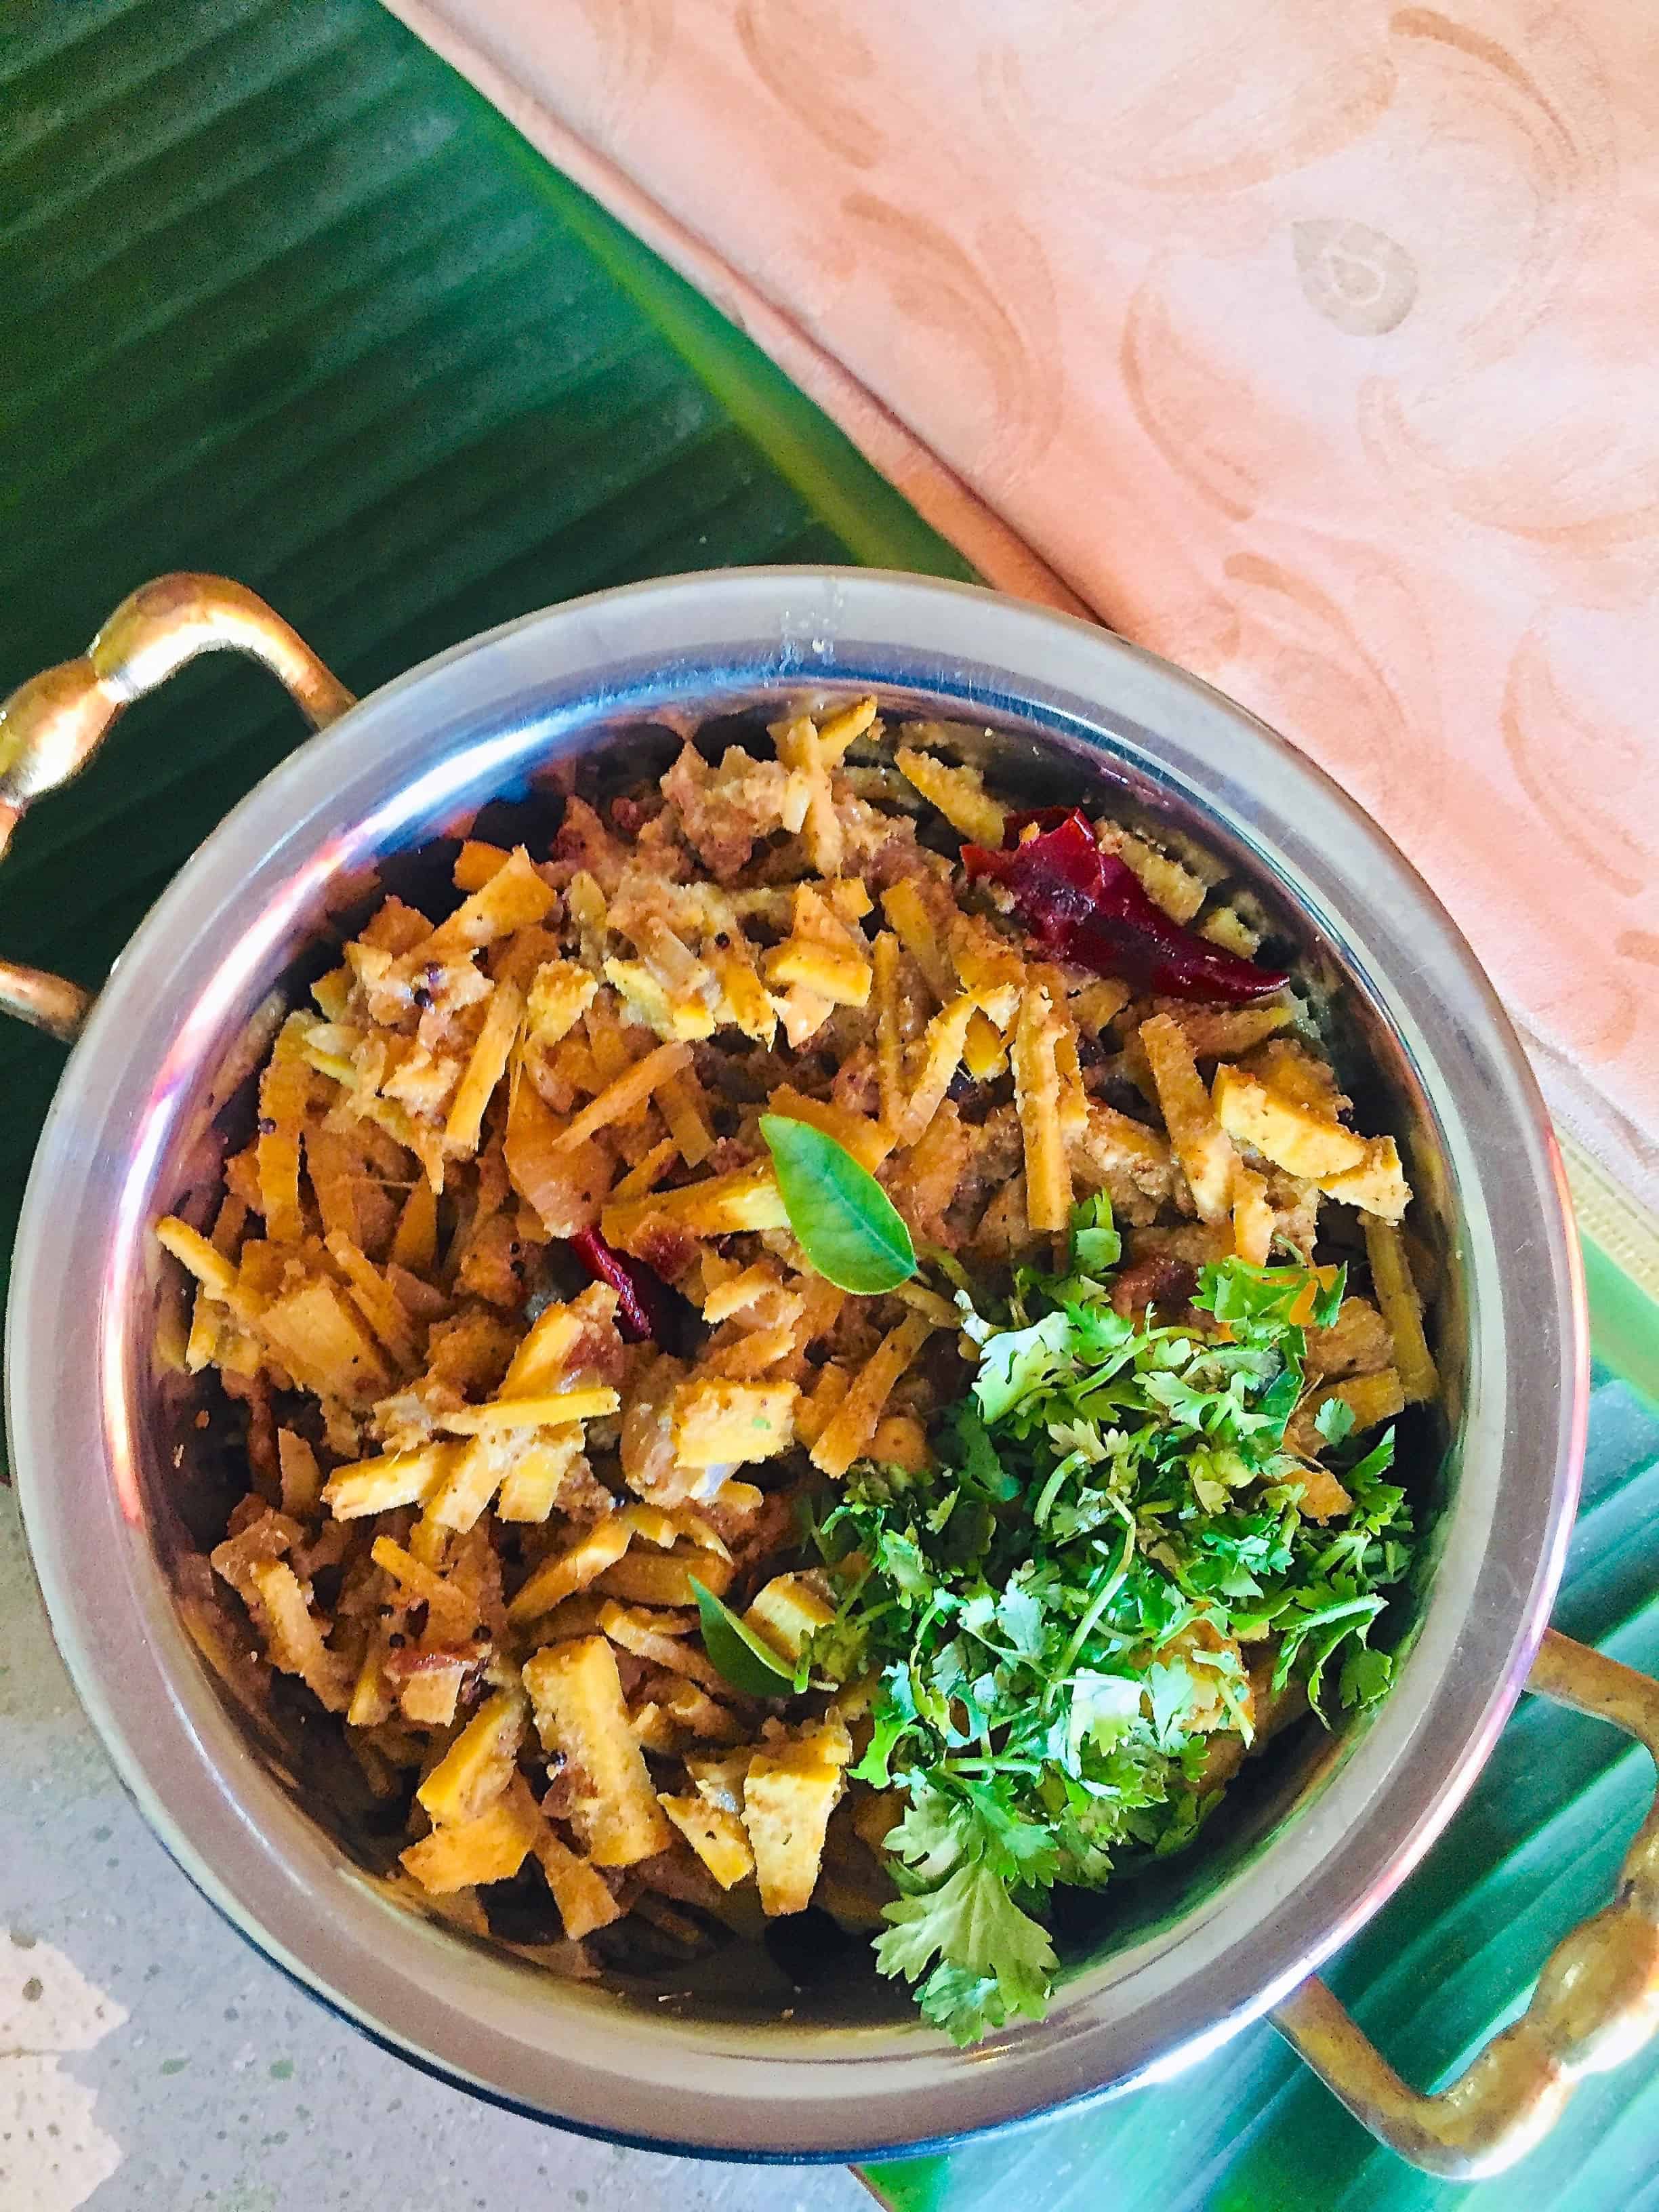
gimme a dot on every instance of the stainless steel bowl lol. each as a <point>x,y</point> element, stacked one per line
<point>95,1429</point>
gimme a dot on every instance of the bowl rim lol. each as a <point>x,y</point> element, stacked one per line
<point>446,732</point>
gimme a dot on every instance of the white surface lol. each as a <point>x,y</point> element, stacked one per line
<point>150,2061</point>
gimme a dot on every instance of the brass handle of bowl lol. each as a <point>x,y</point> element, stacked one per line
<point>1595,2004</point>
<point>52,725</point>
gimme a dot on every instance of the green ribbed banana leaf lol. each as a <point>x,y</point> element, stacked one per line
<point>286,300</point>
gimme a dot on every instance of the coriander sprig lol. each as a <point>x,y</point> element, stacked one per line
<point>1063,1610</point>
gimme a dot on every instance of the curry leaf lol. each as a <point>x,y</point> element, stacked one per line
<point>844,1221</point>
<point>747,1662</point>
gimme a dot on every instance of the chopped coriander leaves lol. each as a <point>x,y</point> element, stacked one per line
<point>1335,1419</point>
<point>1095,1242</point>
<point>1106,1566</point>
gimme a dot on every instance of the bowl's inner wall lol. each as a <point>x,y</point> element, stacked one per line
<point>190,1476</point>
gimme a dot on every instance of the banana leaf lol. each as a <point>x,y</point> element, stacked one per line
<point>288,300</point>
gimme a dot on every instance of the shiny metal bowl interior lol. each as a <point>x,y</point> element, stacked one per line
<point>112,1476</point>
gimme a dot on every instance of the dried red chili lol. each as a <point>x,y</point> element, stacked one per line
<point>1087,906</point>
<point>642,1298</point>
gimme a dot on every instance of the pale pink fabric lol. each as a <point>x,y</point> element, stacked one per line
<point>1308,342</point>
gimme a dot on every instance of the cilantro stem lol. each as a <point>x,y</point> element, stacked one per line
<point>1051,1490</point>
<point>1301,1623</point>
<point>1098,1604</point>
<point>872,1613</point>
<point>1299,1630</point>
